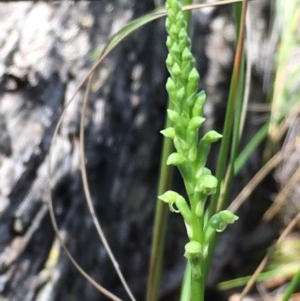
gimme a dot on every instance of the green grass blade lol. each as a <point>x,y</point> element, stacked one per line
<point>186,284</point>
<point>128,29</point>
<point>250,147</point>
<point>230,112</point>
<point>231,126</point>
<point>281,271</point>
<point>292,287</point>
<point>160,224</point>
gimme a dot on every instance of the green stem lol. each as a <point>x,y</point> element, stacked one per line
<point>197,222</point>
<point>197,287</point>
<point>160,223</point>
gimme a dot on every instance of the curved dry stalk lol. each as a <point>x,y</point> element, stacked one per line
<point>263,263</point>
<point>217,3</point>
<point>285,123</point>
<point>295,177</point>
<point>99,287</point>
<point>88,194</point>
<point>282,196</point>
<point>249,62</point>
<point>260,175</point>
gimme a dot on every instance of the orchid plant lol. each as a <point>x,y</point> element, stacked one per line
<point>185,114</point>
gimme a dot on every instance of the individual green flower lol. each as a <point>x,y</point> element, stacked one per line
<point>178,204</point>
<point>222,219</point>
<point>193,252</point>
<point>207,184</point>
<point>170,197</point>
<point>219,222</point>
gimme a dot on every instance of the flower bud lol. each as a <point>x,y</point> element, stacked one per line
<point>221,220</point>
<point>175,159</point>
<point>182,35</point>
<point>175,6</point>
<point>170,85</point>
<point>176,70</point>
<point>212,136</point>
<point>173,116</point>
<point>198,106</point>
<point>173,30</point>
<point>169,132</point>
<point>195,123</point>
<point>193,81</point>
<point>186,55</point>
<point>180,94</point>
<point>192,155</point>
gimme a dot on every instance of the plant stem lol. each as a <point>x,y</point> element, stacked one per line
<point>161,213</point>
<point>197,287</point>
<point>160,223</point>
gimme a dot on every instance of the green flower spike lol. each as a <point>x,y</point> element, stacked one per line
<point>190,155</point>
